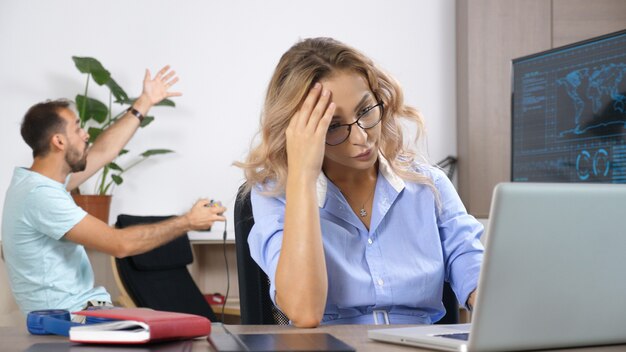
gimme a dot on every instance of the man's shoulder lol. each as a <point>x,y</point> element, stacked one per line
<point>36,204</point>
<point>40,193</point>
<point>25,181</point>
<point>26,191</point>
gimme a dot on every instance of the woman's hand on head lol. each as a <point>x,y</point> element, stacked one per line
<point>306,133</point>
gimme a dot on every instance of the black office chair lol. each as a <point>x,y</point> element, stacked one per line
<point>254,299</point>
<point>159,279</point>
<point>450,302</point>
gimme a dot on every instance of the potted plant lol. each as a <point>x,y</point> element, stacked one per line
<point>97,116</point>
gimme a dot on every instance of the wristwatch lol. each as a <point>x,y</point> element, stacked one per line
<point>135,112</point>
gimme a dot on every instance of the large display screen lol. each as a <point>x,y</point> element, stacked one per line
<point>569,113</point>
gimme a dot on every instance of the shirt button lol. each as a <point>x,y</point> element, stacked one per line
<point>369,240</point>
<point>380,282</point>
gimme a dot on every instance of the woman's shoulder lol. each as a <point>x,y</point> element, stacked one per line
<point>266,192</point>
<point>433,172</point>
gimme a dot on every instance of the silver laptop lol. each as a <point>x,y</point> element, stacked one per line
<point>553,275</point>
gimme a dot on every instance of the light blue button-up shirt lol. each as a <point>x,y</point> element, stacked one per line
<point>399,264</point>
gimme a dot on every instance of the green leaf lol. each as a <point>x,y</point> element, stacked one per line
<point>94,109</point>
<point>94,132</point>
<point>122,152</point>
<point>166,102</point>
<point>146,121</point>
<point>114,166</point>
<point>93,67</point>
<point>117,91</point>
<point>151,152</point>
<point>117,179</point>
<point>106,189</point>
<point>102,189</point>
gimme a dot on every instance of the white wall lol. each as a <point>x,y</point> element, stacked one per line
<point>224,52</point>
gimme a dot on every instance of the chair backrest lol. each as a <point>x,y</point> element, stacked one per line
<point>256,305</point>
<point>124,297</point>
<point>451,304</point>
<point>159,279</point>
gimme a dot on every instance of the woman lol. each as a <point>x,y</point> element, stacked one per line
<point>349,226</point>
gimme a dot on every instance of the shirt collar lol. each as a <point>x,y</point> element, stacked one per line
<point>384,169</point>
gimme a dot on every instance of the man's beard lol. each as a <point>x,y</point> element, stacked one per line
<point>76,163</point>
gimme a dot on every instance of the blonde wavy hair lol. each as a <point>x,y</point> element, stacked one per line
<point>304,64</point>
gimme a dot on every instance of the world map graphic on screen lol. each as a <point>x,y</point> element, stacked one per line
<point>569,113</point>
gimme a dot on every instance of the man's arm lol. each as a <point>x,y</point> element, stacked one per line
<point>95,234</point>
<point>108,144</point>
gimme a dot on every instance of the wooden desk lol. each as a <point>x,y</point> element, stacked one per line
<point>18,339</point>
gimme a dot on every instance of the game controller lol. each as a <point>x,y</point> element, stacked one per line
<point>219,204</point>
<point>213,203</point>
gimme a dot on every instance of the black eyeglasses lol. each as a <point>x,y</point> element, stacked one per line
<point>367,118</point>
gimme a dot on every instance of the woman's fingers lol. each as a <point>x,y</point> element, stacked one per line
<point>310,123</point>
<point>304,113</point>
<point>322,126</point>
<point>318,110</point>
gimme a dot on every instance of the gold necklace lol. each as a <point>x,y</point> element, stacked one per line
<point>362,211</point>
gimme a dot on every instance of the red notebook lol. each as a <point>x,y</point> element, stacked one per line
<point>138,326</point>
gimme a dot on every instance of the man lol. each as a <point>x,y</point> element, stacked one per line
<point>44,232</point>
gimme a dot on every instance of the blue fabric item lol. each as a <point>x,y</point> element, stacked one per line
<point>399,265</point>
<point>49,322</point>
<point>45,270</point>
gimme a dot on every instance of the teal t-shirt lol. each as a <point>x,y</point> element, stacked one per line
<point>45,270</point>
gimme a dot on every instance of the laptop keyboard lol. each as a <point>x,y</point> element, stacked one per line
<point>460,336</point>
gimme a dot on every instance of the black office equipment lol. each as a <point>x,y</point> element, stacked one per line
<point>569,113</point>
<point>159,279</point>
<point>227,342</point>
<point>254,299</point>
